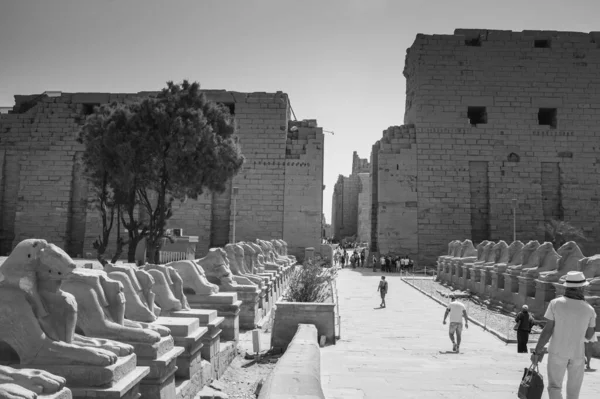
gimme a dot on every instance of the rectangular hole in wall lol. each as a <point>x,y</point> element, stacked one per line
<point>477,115</point>
<point>547,117</point>
<point>230,106</point>
<point>474,42</point>
<point>88,108</point>
<point>541,43</point>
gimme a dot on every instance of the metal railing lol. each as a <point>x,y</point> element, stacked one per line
<point>168,256</point>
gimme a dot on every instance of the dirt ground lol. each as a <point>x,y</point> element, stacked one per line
<point>243,375</point>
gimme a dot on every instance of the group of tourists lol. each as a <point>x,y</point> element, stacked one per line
<point>357,259</point>
<point>394,264</point>
<point>570,329</point>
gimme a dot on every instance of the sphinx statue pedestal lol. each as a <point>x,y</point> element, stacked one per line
<point>118,381</point>
<point>526,294</point>
<point>64,393</point>
<point>485,282</point>
<point>161,358</point>
<point>250,313</point>
<point>544,293</point>
<point>227,305</point>
<point>187,334</point>
<point>211,340</point>
<point>496,288</point>
<point>506,294</point>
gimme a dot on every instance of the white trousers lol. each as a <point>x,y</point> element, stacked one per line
<point>557,366</point>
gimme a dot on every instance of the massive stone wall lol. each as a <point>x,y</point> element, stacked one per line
<point>364,209</point>
<point>43,192</point>
<point>397,231</point>
<point>303,197</point>
<point>501,115</point>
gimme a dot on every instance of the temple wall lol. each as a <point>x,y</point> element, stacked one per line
<point>397,230</point>
<point>43,192</point>
<point>516,112</point>
<point>303,194</point>
<point>364,208</point>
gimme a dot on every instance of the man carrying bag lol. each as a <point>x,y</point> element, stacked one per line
<point>532,383</point>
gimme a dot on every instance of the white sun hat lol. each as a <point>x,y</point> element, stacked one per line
<point>575,279</point>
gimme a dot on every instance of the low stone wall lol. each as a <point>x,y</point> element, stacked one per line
<point>288,315</point>
<point>298,372</point>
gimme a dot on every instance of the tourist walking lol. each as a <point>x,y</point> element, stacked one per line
<point>589,343</point>
<point>524,323</point>
<point>362,258</point>
<point>570,320</point>
<point>383,289</point>
<point>457,311</point>
<point>343,258</point>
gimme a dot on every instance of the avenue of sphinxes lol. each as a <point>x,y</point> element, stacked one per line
<point>155,331</point>
<point>516,274</point>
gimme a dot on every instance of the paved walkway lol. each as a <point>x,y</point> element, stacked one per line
<point>403,351</point>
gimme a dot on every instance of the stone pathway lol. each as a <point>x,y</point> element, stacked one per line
<point>403,351</point>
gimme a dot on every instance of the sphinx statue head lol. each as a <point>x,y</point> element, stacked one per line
<point>249,255</point>
<point>547,261</point>
<point>34,263</point>
<point>500,252</point>
<point>467,249</point>
<point>488,252</point>
<point>163,288</point>
<point>590,266</point>
<point>569,256</point>
<point>33,274</point>
<point>233,260</point>
<point>217,269</point>
<point>135,308</point>
<point>101,303</point>
<point>481,250</point>
<point>515,253</point>
<point>240,257</point>
<point>194,278</point>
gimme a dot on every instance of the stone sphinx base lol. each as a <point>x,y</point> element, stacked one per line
<point>227,306</point>
<point>250,313</point>
<point>118,381</point>
<point>187,334</point>
<point>211,341</point>
<point>161,358</point>
<point>64,393</point>
<point>126,388</point>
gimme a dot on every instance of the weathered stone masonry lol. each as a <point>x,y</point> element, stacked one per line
<point>351,202</point>
<point>498,115</point>
<point>43,192</point>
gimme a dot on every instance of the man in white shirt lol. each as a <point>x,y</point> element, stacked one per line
<point>457,311</point>
<point>571,320</point>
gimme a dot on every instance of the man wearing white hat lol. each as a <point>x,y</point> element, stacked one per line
<point>571,320</point>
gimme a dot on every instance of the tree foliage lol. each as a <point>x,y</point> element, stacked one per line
<point>559,232</point>
<point>158,150</point>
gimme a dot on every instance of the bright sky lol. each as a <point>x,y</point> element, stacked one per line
<point>340,61</point>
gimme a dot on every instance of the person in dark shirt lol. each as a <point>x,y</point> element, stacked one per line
<point>523,327</point>
<point>382,288</point>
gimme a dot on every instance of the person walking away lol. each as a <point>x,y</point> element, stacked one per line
<point>570,320</point>
<point>382,262</point>
<point>388,264</point>
<point>374,263</point>
<point>343,258</point>
<point>589,343</point>
<point>523,327</point>
<point>457,311</point>
<point>382,288</point>
<point>362,258</point>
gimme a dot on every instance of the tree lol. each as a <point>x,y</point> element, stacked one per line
<point>158,150</point>
<point>559,232</point>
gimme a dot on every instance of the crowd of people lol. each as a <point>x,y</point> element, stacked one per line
<point>393,264</point>
<point>358,258</point>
